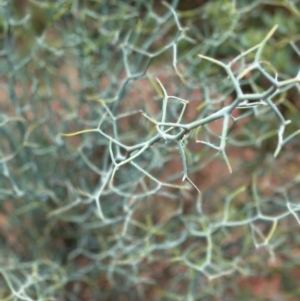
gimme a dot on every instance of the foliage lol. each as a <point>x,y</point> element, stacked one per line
<point>148,150</point>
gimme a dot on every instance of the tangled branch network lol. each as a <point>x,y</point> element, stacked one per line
<point>142,141</point>
<point>178,132</point>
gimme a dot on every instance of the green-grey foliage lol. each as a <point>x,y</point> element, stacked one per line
<point>148,150</point>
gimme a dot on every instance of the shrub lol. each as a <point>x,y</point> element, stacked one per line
<point>149,150</point>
